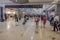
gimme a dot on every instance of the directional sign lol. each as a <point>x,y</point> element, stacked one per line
<point>23,6</point>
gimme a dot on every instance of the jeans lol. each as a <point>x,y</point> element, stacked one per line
<point>55,27</point>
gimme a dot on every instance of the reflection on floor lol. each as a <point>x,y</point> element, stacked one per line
<point>16,31</point>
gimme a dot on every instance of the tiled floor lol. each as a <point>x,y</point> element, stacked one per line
<point>16,31</point>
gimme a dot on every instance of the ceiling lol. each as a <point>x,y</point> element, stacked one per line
<point>20,1</point>
<point>32,1</point>
<point>59,2</point>
<point>40,0</point>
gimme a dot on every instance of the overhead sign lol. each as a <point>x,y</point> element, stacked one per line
<point>24,6</point>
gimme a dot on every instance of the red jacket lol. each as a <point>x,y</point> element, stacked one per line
<point>44,20</point>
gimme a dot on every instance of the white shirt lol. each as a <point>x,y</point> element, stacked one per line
<point>44,14</point>
<point>56,18</point>
<point>53,13</point>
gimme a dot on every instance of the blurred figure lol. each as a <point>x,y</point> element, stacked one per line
<point>44,20</point>
<point>16,17</point>
<point>37,22</point>
<point>56,21</point>
<point>5,17</point>
<point>25,19</point>
<point>51,20</point>
<point>59,26</point>
<point>20,16</point>
<point>52,15</point>
<point>41,17</point>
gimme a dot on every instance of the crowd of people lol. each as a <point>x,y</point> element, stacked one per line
<point>53,20</point>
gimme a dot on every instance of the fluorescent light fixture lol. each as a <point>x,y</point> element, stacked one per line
<point>24,12</point>
<point>14,12</point>
<point>55,1</point>
<point>8,12</point>
<point>51,7</point>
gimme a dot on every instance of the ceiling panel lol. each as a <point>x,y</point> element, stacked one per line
<point>26,1</point>
<point>40,0</point>
<point>56,1</point>
<point>59,2</point>
<point>20,1</point>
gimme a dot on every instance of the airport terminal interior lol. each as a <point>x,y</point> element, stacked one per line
<point>29,19</point>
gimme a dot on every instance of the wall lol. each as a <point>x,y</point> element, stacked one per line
<point>58,9</point>
<point>3,3</point>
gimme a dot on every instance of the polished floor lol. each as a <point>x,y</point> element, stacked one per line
<point>16,31</point>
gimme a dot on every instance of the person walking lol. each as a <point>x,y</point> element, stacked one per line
<point>44,20</point>
<point>51,20</point>
<point>56,21</point>
<point>16,18</point>
<point>26,17</point>
<point>37,22</point>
